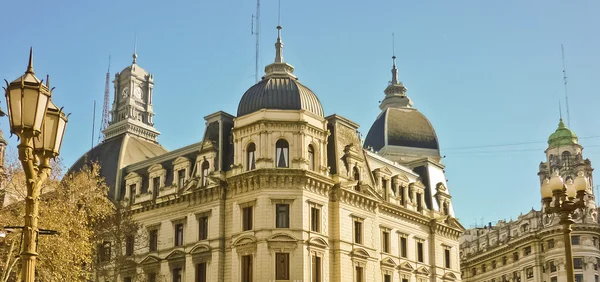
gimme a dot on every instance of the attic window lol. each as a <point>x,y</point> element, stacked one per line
<point>205,170</point>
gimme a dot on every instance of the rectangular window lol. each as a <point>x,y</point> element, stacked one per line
<point>247,268</point>
<point>132,188</point>
<point>201,272</point>
<point>552,266</point>
<point>447,258</point>
<point>403,246</point>
<point>404,280</point>
<point>385,244</point>
<point>419,204</point>
<point>515,256</point>
<point>529,272</point>
<point>177,277</point>
<point>283,216</point>
<point>179,234</point>
<point>550,243</point>
<point>387,278</point>
<point>247,218</point>
<point>358,232</point>
<point>359,274</point>
<point>384,189</point>
<point>105,251</point>
<point>402,199</point>
<point>596,278</point>
<point>316,269</point>
<point>127,279</point>
<point>151,277</point>
<point>315,219</point>
<point>203,228</point>
<point>153,238</point>
<point>575,240</point>
<point>527,251</point>
<point>578,263</point>
<point>180,178</point>
<point>578,277</point>
<point>420,251</point>
<point>282,266</point>
<point>554,279</point>
<point>155,187</point>
<point>129,240</point>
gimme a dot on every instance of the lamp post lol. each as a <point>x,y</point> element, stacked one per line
<point>40,126</point>
<point>563,199</point>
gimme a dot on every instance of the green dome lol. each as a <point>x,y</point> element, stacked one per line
<point>562,136</point>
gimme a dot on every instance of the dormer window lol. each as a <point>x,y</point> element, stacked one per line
<point>567,160</point>
<point>205,170</point>
<point>180,178</point>
<point>356,176</point>
<point>251,151</point>
<point>282,153</point>
<point>311,157</point>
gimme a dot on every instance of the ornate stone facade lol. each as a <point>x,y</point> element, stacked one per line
<point>531,248</point>
<point>287,194</point>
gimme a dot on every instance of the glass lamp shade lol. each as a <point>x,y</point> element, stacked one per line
<point>545,189</point>
<point>27,100</point>
<point>581,183</point>
<point>556,182</point>
<point>48,143</point>
<point>570,188</point>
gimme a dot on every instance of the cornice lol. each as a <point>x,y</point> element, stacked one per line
<point>280,178</point>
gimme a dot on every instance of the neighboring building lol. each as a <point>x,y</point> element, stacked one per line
<point>532,247</point>
<point>280,192</point>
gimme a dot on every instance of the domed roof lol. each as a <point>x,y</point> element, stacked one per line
<point>281,93</point>
<point>404,127</point>
<point>562,136</point>
<point>279,89</point>
<point>134,69</point>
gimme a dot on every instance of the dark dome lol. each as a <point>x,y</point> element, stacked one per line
<point>279,93</point>
<point>404,127</point>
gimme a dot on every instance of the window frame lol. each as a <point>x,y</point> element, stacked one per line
<point>178,238</point>
<point>358,230</point>
<point>285,212</point>
<point>282,266</point>
<point>250,156</point>
<point>247,265</point>
<point>284,145</point>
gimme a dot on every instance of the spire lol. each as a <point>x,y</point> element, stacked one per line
<point>279,47</point>
<point>135,50</point>
<point>394,69</point>
<point>394,72</point>
<point>30,66</point>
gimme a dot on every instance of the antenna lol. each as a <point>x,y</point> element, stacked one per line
<point>93,123</point>
<point>255,31</point>
<point>559,109</point>
<point>393,45</point>
<point>105,112</point>
<point>279,13</point>
<point>562,50</point>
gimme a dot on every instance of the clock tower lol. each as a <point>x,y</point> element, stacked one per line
<point>132,104</point>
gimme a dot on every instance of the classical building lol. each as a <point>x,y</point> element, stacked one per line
<point>279,191</point>
<point>531,248</point>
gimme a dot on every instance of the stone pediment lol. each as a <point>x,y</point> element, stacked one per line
<point>417,184</point>
<point>180,160</point>
<point>200,249</point>
<point>155,167</point>
<point>150,260</point>
<point>383,170</point>
<point>423,271</point>
<point>318,242</point>
<point>244,241</point>
<point>282,238</point>
<point>389,262</point>
<point>131,175</point>
<point>175,255</point>
<point>359,252</point>
<point>406,266</point>
<point>449,276</point>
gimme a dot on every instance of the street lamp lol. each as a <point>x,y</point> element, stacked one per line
<point>40,126</point>
<point>563,199</point>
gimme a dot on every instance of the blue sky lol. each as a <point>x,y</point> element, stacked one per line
<point>483,72</point>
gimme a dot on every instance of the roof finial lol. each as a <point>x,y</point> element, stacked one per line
<point>135,49</point>
<point>30,66</point>
<point>394,69</point>
<point>279,44</point>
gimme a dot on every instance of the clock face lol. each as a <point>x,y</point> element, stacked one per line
<point>125,92</point>
<point>137,93</point>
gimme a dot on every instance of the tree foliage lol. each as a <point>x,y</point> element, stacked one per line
<point>76,207</point>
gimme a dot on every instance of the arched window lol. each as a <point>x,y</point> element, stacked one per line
<point>251,156</point>
<point>282,153</point>
<point>311,157</point>
<point>567,160</point>
<point>356,176</point>
<point>446,210</point>
<point>205,169</point>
